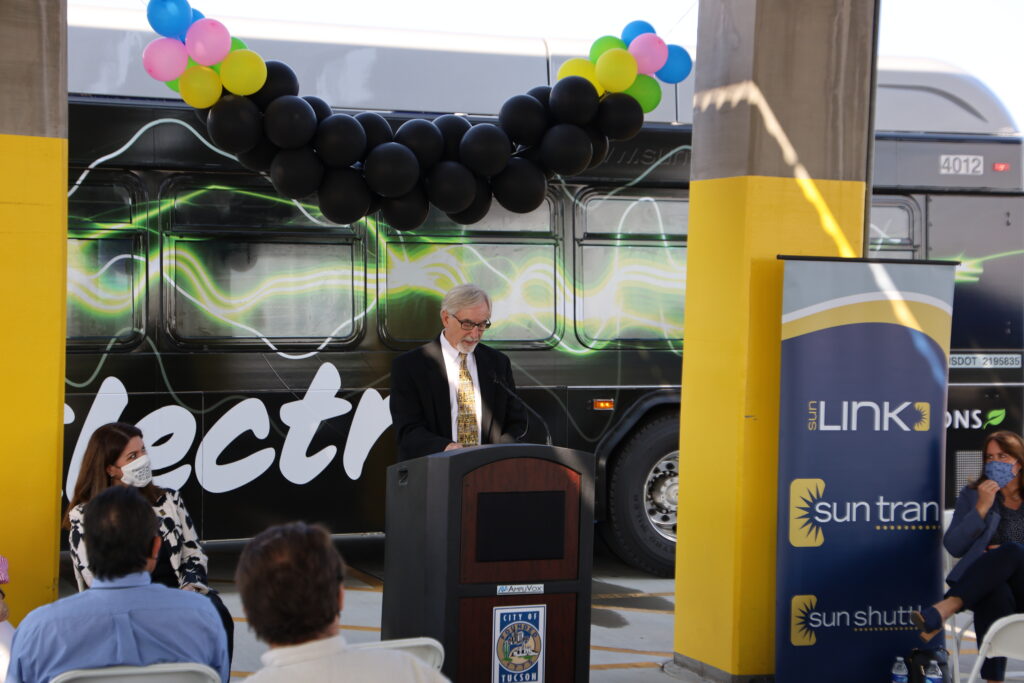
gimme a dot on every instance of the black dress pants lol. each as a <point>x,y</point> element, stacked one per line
<point>993,587</point>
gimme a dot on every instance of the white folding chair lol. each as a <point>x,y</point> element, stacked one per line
<point>1004,639</point>
<point>174,672</point>
<point>429,650</point>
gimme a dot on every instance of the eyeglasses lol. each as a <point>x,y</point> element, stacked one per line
<point>468,325</point>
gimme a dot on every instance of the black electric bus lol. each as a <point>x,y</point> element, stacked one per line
<point>251,339</point>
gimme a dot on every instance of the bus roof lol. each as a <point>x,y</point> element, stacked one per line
<point>417,71</point>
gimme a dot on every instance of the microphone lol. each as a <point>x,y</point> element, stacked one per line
<point>497,380</point>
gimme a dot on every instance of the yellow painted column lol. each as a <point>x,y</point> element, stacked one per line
<point>33,265</point>
<point>781,129</point>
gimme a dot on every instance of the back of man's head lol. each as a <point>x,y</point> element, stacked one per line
<point>120,526</point>
<point>289,577</point>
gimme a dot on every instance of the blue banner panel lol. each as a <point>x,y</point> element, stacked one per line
<point>861,428</point>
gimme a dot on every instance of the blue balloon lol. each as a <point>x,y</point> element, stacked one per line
<point>169,18</point>
<point>635,28</point>
<point>677,67</point>
<point>196,16</point>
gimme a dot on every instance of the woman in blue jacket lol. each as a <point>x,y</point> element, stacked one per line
<point>987,533</point>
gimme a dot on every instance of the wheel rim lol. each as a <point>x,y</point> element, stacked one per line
<point>661,495</point>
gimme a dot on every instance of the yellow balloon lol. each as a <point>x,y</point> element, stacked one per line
<point>200,86</point>
<point>616,69</point>
<point>243,72</point>
<point>577,66</point>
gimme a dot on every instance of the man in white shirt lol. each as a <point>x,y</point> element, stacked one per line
<point>290,580</point>
<point>455,391</point>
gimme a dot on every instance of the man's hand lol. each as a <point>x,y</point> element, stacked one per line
<point>986,496</point>
<point>452,446</point>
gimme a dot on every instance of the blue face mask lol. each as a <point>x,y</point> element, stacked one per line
<point>999,472</point>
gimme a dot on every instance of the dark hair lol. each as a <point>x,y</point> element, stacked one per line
<point>120,526</point>
<point>1010,443</point>
<point>288,577</point>
<point>104,448</point>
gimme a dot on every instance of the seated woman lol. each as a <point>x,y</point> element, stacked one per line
<point>116,456</point>
<point>986,533</point>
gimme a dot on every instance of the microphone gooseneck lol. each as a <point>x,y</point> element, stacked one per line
<point>497,380</point>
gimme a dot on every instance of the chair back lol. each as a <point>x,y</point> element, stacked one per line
<point>1006,637</point>
<point>174,672</point>
<point>428,650</point>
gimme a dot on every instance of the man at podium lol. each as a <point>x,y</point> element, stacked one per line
<point>454,391</point>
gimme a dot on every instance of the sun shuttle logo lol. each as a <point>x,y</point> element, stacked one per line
<point>800,631</point>
<point>868,416</point>
<point>804,532</point>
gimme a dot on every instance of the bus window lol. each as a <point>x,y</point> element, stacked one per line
<point>505,253</point>
<point>106,298</point>
<point>891,233</point>
<point>631,271</point>
<point>226,204</point>
<point>233,290</point>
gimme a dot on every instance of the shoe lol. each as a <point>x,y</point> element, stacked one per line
<point>928,621</point>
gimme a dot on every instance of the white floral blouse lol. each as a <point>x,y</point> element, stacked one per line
<point>177,531</point>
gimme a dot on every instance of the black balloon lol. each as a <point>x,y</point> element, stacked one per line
<point>541,93</point>
<point>479,208</point>
<point>391,169</point>
<point>289,122</point>
<point>340,140</point>
<point>296,173</point>
<point>424,139</point>
<point>322,109</point>
<point>599,143</point>
<point>344,196</point>
<point>452,129</point>
<point>451,187</point>
<point>259,157</point>
<point>378,130</point>
<point>524,118</point>
<point>485,149</point>
<point>406,212</point>
<point>235,124</point>
<point>566,149</point>
<point>533,154</point>
<point>573,100</point>
<point>521,187</point>
<point>620,117</point>
<point>281,80</point>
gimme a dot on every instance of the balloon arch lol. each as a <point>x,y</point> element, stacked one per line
<point>356,165</point>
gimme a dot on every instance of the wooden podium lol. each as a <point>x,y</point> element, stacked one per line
<point>489,550</point>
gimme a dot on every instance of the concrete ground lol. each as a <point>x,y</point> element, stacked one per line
<point>631,621</point>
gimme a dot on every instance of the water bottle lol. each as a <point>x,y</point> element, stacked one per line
<point>933,674</point>
<point>899,671</point>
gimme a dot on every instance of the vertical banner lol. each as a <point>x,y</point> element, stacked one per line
<point>865,347</point>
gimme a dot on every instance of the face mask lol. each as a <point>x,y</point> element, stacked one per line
<point>999,472</point>
<point>137,473</point>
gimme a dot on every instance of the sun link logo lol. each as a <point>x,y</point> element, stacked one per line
<point>806,621</point>
<point>810,512</point>
<point>852,416</point>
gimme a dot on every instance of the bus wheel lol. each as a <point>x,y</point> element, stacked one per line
<point>643,496</point>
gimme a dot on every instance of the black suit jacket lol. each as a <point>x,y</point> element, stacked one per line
<point>421,406</point>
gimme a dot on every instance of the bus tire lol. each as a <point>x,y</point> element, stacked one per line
<point>643,487</point>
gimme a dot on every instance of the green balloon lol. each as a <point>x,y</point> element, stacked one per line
<point>646,91</point>
<point>173,85</point>
<point>603,44</point>
<point>238,44</point>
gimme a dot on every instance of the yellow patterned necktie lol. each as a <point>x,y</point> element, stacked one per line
<point>467,406</point>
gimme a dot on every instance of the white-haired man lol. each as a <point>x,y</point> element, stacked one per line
<point>455,391</point>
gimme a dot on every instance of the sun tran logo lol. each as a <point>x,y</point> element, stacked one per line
<point>852,416</point>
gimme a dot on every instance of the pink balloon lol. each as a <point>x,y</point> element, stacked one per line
<point>208,42</point>
<point>650,53</point>
<point>165,59</point>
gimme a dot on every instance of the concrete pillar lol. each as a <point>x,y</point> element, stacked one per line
<point>782,130</point>
<point>33,244</point>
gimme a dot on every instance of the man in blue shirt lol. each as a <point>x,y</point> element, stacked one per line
<point>123,619</point>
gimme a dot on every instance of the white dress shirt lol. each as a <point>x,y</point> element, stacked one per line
<point>451,366</point>
<point>331,660</point>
